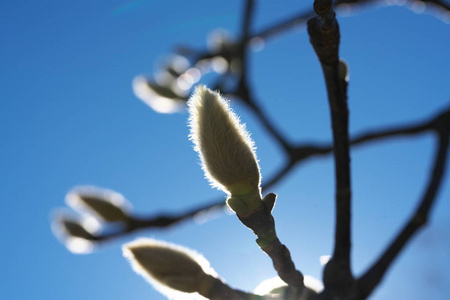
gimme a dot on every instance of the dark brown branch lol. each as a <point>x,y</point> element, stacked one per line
<point>439,3</point>
<point>301,154</point>
<point>260,220</point>
<point>301,17</point>
<point>262,223</point>
<point>370,280</point>
<point>324,36</point>
<point>243,92</point>
<point>289,23</point>
<point>245,34</point>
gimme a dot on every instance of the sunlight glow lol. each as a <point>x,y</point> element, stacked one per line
<point>217,39</point>
<point>219,64</point>
<point>324,259</point>
<point>79,246</point>
<point>75,244</point>
<point>268,285</point>
<point>156,101</point>
<point>418,7</point>
<point>313,283</point>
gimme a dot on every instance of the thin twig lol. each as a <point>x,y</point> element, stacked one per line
<point>300,18</point>
<point>245,33</point>
<point>302,154</point>
<point>245,95</point>
<point>324,36</point>
<point>262,223</point>
<point>260,220</point>
<point>370,280</point>
<point>243,91</point>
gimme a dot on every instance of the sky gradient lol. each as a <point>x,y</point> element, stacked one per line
<point>69,117</point>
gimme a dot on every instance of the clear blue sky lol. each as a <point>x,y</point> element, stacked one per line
<point>69,117</point>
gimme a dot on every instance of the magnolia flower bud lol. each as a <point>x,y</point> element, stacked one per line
<point>77,234</point>
<point>107,205</point>
<point>75,229</point>
<point>169,268</point>
<point>226,150</point>
<point>161,98</point>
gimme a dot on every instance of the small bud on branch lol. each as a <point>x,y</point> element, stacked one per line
<point>171,269</point>
<point>107,205</point>
<point>226,150</point>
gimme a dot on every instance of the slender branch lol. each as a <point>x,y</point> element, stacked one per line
<point>245,33</point>
<point>289,23</point>
<point>324,36</point>
<point>305,151</point>
<point>260,220</point>
<point>440,3</point>
<point>301,17</point>
<point>301,154</point>
<point>168,220</point>
<point>243,91</point>
<point>262,223</point>
<point>245,95</point>
<point>367,283</point>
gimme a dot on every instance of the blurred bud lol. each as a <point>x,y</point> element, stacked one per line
<point>219,64</point>
<point>222,44</point>
<point>177,64</point>
<point>343,71</point>
<point>219,40</point>
<point>107,205</point>
<point>75,229</point>
<point>169,268</point>
<point>160,98</point>
<point>226,149</point>
<point>77,235</point>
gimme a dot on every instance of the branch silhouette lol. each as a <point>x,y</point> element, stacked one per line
<point>339,282</point>
<point>300,154</point>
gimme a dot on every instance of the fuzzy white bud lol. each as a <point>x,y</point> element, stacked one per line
<point>226,149</point>
<point>171,269</point>
<point>107,205</point>
<point>77,234</point>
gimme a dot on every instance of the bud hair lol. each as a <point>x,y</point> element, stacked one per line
<point>174,271</point>
<point>225,147</point>
<point>105,204</point>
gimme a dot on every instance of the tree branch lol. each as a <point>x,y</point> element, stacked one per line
<point>301,17</point>
<point>370,280</point>
<point>243,88</point>
<point>301,154</point>
<point>262,223</point>
<point>324,36</point>
<point>243,92</point>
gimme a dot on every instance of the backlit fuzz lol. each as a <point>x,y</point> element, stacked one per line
<point>175,271</point>
<point>226,149</point>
